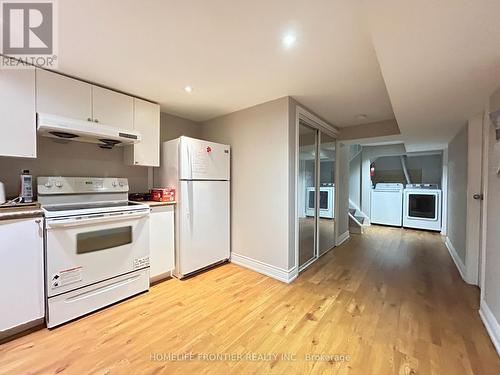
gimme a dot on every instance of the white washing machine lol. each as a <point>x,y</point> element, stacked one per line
<point>422,207</point>
<point>387,204</point>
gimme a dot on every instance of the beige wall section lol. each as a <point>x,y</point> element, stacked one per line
<point>457,193</point>
<point>72,159</point>
<point>259,142</point>
<point>172,127</point>
<point>371,130</point>
<point>492,256</point>
<point>292,201</point>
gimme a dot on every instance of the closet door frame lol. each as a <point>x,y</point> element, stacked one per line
<point>309,119</point>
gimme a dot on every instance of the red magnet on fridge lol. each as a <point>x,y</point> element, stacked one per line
<point>209,149</point>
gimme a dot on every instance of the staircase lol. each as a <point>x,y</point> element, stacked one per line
<point>357,221</point>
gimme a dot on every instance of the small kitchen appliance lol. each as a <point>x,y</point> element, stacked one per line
<point>26,187</point>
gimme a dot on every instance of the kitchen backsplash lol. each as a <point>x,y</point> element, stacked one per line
<point>71,159</point>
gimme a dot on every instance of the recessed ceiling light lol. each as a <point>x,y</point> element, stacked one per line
<point>289,40</point>
<point>188,89</point>
<point>361,117</point>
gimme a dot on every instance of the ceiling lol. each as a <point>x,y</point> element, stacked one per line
<point>230,52</point>
<point>438,61</point>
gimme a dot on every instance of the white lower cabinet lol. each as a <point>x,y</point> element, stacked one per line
<point>22,299</point>
<point>162,244</point>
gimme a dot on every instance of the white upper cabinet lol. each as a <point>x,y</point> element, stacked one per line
<point>17,113</point>
<point>113,108</point>
<point>63,96</point>
<point>147,122</point>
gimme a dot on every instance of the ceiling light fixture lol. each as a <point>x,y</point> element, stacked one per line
<point>188,89</point>
<point>289,40</point>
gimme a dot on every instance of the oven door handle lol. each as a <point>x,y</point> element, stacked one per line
<point>65,223</point>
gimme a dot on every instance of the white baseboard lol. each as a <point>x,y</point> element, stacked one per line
<point>286,276</point>
<point>454,255</point>
<point>342,238</point>
<point>491,325</point>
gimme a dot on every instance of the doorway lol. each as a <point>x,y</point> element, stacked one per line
<point>315,193</point>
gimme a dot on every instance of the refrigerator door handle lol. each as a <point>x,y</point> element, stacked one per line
<point>190,162</point>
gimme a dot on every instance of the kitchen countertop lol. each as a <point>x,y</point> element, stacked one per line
<point>20,211</point>
<point>156,204</point>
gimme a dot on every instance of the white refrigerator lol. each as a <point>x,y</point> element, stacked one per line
<point>200,173</point>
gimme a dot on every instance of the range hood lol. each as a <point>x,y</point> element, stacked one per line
<point>84,131</point>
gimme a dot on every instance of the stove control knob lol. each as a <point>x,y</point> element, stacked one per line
<point>48,185</point>
<point>114,184</point>
<point>59,184</point>
<point>122,184</point>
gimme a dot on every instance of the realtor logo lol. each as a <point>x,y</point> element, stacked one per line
<point>28,32</point>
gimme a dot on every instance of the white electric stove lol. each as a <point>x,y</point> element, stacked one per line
<point>96,245</point>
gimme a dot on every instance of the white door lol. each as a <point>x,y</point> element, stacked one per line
<point>63,96</point>
<point>112,108</point>
<point>203,160</point>
<point>203,225</point>
<point>474,197</point>
<point>21,272</point>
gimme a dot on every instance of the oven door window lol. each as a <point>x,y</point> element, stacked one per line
<point>87,242</point>
<point>422,206</point>
<point>323,200</point>
<point>311,199</point>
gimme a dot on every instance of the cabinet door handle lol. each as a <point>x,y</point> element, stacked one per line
<point>89,119</point>
<point>96,120</point>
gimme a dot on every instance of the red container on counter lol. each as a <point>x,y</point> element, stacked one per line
<point>163,195</point>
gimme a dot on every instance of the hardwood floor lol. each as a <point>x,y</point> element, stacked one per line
<point>387,302</point>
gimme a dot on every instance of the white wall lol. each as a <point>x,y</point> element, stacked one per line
<point>259,139</point>
<point>457,194</point>
<point>355,180</point>
<point>342,184</point>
